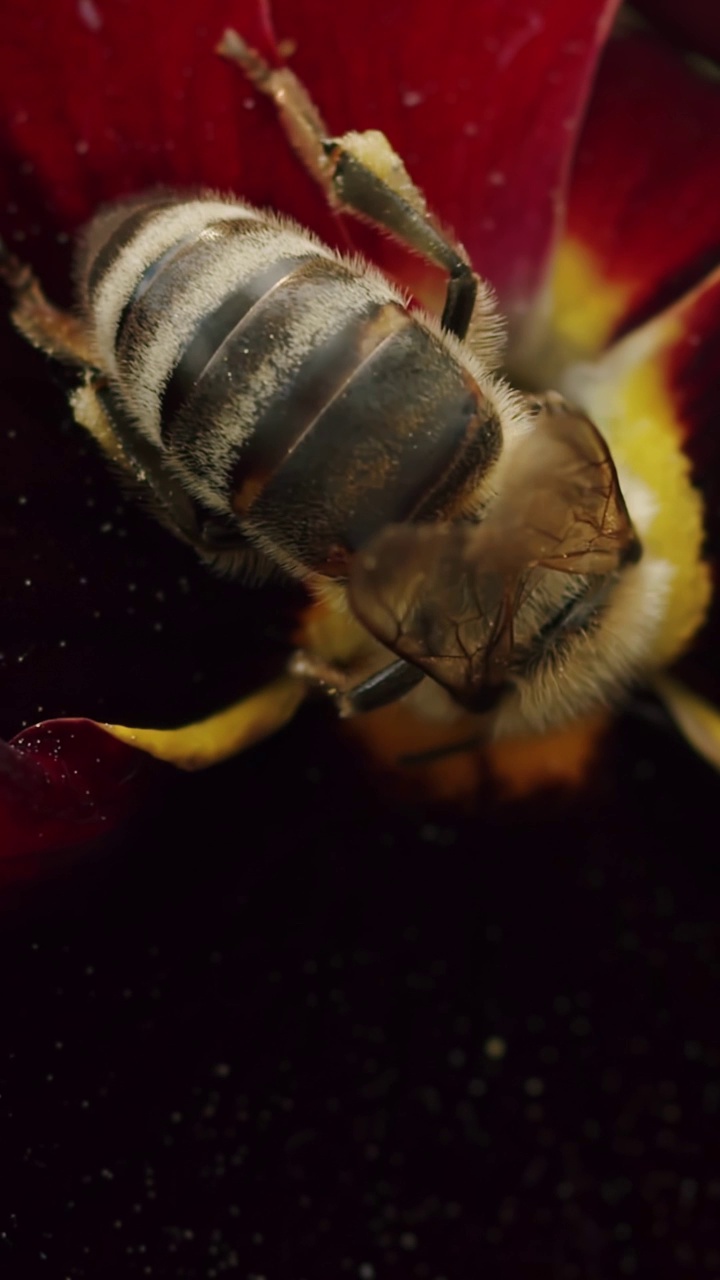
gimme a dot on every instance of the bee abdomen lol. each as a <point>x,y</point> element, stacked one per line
<point>157,282</point>
<point>379,451</point>
<point>282,382</point>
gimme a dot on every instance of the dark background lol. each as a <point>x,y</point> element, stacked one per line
<point>290,1030</point>
<point>285,1026</point>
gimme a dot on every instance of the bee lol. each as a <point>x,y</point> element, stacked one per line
<point>286,409</point>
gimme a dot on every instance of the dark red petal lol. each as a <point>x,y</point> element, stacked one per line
<point>693,23</point>
<point>64,784</point>
<point>693,368</point>
<point>482,100</point>
<point>645,192</point>
<point>694,365</point>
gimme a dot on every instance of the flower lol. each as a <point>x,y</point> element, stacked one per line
<point>580,171</point>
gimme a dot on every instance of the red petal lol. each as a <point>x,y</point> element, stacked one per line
<point>694,23</point>
<point>483,104</point>
<point>694,366</point>
<point>64,784</point>
<point>645,194</point>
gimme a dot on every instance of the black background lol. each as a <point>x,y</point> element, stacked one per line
<point>291,1030</point>
<point>287,1027</point>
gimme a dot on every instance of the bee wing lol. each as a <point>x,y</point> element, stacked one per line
<point>420,590</point>
<point>561,496</point>
<point>445,596</point>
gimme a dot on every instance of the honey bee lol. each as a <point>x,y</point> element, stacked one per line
<point>286,409</point>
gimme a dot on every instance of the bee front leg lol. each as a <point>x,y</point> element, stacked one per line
<point>57,333</point>
<point>361,174</point>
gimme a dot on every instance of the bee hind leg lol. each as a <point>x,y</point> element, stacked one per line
<point>57,333</point>
<point>361,174</point>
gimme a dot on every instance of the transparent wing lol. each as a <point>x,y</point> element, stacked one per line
<point>447,596</point>
<point>560,505</point>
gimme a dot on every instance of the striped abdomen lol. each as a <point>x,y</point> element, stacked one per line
<point>284,384</point>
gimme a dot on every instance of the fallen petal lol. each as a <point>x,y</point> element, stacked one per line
<point>65,784</point>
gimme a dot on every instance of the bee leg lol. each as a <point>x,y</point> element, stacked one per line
<point>362,175</point>
<point>379,689</point>
<point>305,128</point>
<point>370,180</point>
<point>55,332</point>
<point>352,697</point>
